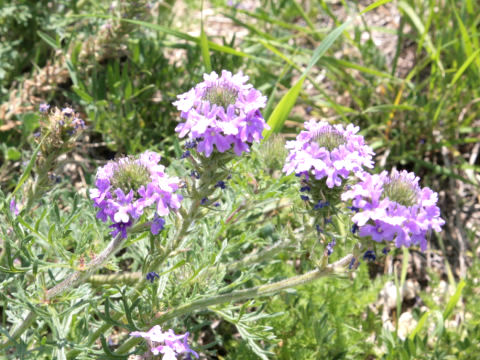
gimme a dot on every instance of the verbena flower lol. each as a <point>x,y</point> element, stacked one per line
<point>166,343</point>
<point>125,187</point>
<point>328,151</point>
<point>222,112</point>
<point>393,207</point>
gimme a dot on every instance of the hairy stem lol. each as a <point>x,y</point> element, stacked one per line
<point>262,290</point>
<point>187,220</point>
<point>133,277</point>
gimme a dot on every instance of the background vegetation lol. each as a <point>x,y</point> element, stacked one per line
<point>406,72</point>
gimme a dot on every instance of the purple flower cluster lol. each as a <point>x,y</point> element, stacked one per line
<point>394,207</point>
<point>222,111</point>
<point>330,151</point>
<point>167,343</point>
<point>125,187</point>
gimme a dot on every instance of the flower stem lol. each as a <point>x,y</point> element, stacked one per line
<point>239,295</point>
<point>134,277</point>
<point>187,220</point>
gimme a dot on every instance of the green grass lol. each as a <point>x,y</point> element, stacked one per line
<point>421,117</point>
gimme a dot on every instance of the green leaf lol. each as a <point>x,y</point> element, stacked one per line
<point>374,6</point>
<point>49,40</point>
<point>453,300</point>
<point>282,110</point>
<point>181,35</point>
<point>30,122</point>
<point>325,45</point>
<point>205,51</point>
<point>13,154</point>
<point>464,66</point>
<point>420,325</point>
<point>82,94</point>
<point>27,171</point>
<point>421,30</point>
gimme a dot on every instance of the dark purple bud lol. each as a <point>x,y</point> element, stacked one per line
<point>354,228</point>
<point>151,276</point>
<point>204,201</point>
<point>353,208</point>
<point>158,224</point>
<point>321,205</point>
<point>195,174</point>
<point>369,255</point>
<point>319,229</point>
<point>304,197</point>
<point>328,220</point>
<point>185,155</point>
<point>352,263</point>
<point>216,204</point>
<point>37,134</point>
<point>330,247</point>
<point>308,110</point>
<point>305,188</point>
<point>221,184</point>
<point>190,144</point>
<point>385,250</point>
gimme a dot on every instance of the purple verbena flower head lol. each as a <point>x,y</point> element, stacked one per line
<point>393,207</point>
<point>328,151</point>
<point>222,112</point>
<point>167,343</point>
<point>128,186</point>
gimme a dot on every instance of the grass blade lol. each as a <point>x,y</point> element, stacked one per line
<point>205,51</point>
<point>464,67</point>
<point>453,300</point>
<point>374,6</point>
<point>282,110</point>
<point>49,40</point>
<point>434,54</point>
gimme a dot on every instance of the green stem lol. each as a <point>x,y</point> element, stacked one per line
<point>133,277</point>
<point>177,239</point>
<point>211,173</point>
<point>262,290</point>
